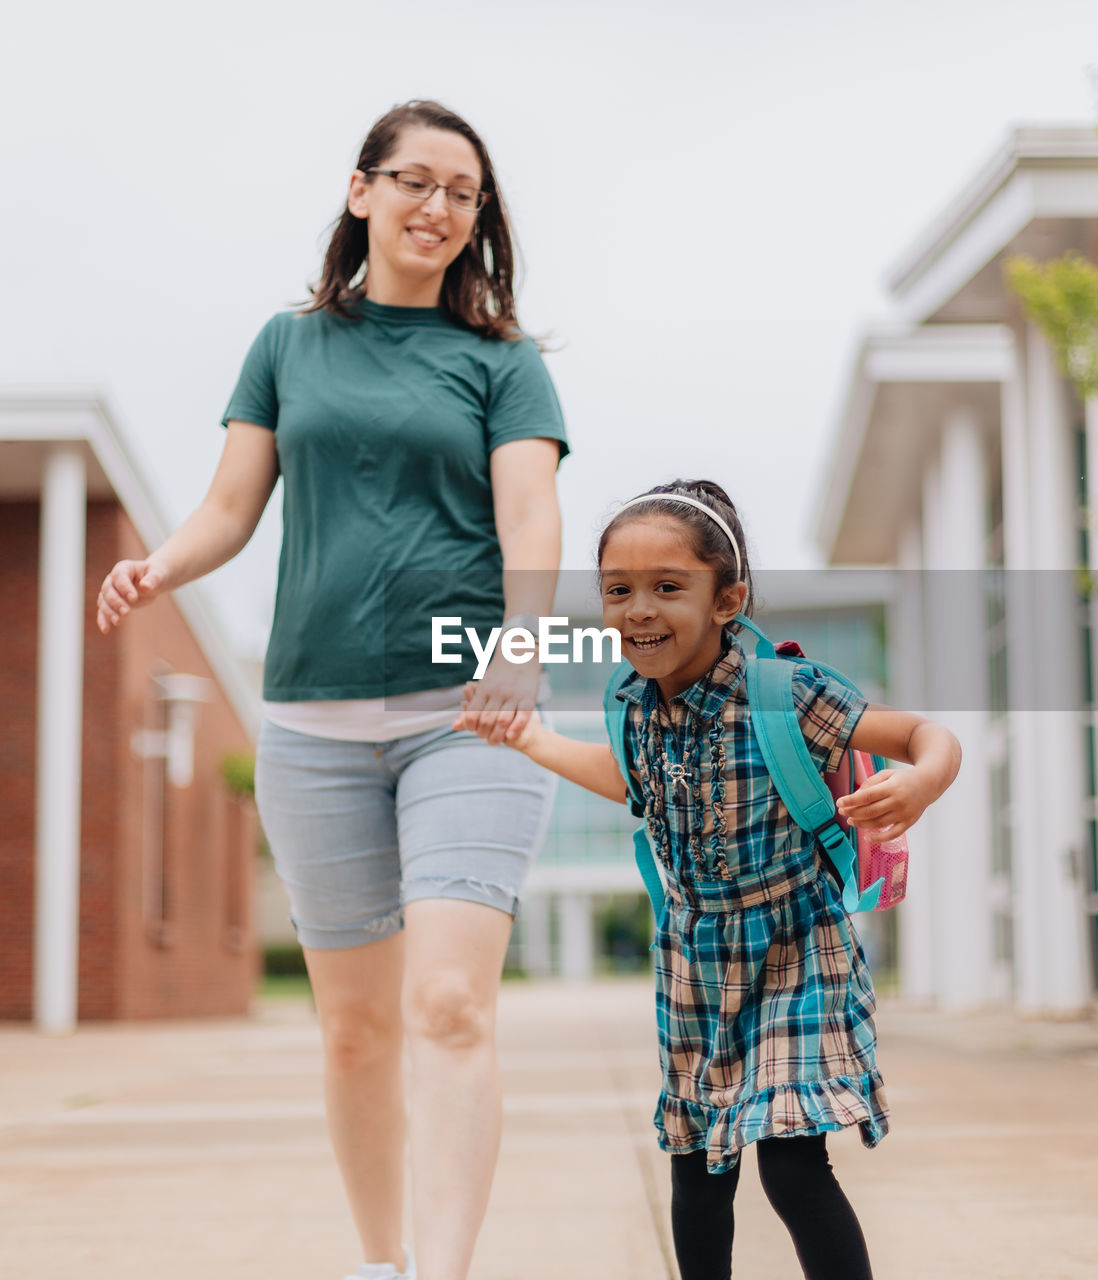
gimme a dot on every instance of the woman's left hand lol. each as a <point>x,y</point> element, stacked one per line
<point>499,705</point>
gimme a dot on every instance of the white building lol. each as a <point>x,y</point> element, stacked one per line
<point>964,458</point>
<point>125,860</point>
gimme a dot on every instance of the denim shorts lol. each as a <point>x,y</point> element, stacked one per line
<point>357,829</point>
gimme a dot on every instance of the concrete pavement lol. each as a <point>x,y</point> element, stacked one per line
<point>174,1150</point>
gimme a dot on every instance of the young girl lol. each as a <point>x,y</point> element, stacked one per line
<point>764,1001</point>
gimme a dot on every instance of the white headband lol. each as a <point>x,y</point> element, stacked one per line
<point>691,502</point>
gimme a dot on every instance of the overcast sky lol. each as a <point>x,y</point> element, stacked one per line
<point>707,195</point>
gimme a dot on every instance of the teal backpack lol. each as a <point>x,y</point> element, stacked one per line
<point>873,875</point>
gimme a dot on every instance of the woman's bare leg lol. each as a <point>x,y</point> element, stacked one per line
<point>357,993</point>
<point>453,958</point>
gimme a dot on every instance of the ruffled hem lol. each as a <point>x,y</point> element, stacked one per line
<point>781,1112</point>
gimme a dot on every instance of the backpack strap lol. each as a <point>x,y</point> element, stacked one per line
<point>616,713</point>
<point>794,773</point>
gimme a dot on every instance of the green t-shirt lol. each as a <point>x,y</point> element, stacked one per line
<point>384,426</point>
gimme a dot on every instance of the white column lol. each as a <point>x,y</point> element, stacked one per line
<point>63,523</point>
<point>1025,806</point>
<point>1062,978</point>
<point>933,833</point>
<point>907,689</point>
<point>956,615</point>
<point>1091,423</point>
<point>577,953</point>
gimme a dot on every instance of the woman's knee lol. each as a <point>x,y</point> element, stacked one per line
<point>445,1008</point>
<point>357,993</point>
<point>360,1036</point>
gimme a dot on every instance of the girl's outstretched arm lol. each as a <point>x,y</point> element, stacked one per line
<point>589,764</point>
<point>891,801</point>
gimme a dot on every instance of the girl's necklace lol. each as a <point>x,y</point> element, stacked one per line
<point>677,773</point>
<point>675,770</point>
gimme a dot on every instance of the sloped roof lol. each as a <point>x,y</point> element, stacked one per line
<point>1028,198</point>
<point>949,343</point>
<point>31,419</point>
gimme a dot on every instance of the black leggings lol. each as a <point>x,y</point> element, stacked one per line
<point>798,1180</point>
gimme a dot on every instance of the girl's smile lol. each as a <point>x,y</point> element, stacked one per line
<point>646,644</point>
<point>664,601</point>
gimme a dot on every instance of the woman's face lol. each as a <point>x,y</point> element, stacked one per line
<point>413,241</point>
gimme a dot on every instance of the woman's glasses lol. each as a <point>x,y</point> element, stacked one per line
<point>417,185</point>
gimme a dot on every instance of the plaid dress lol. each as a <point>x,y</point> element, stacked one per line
<point>763,997</point>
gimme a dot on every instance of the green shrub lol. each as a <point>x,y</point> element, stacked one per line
<point>1061,298</point>
<point>283,959</point>
<point>624,932</point>
<point>238,773</point>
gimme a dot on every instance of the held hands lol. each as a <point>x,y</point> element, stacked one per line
<point>129,585</point>
<point>887,803</point>
<point>500,707</point>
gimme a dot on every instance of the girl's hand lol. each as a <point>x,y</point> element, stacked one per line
<point>129,585</point>
<point>479,723</point>
<point>887,803</point>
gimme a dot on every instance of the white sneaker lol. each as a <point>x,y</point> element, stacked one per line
<point>386,1270</point>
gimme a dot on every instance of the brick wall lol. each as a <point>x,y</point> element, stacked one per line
<point>99,924</point>
<point>197,955</point>
<point>18,637</point>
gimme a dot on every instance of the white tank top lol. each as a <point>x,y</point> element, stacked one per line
<point>375,719</point>
<point>369,719</point>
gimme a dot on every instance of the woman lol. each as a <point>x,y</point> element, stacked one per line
<point>418,435</point>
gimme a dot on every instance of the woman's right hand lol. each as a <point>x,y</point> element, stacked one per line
<point>212,534</point>
<point>129,585</point>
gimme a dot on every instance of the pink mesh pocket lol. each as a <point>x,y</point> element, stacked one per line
<point>887,862</point>
<point>877,860</point>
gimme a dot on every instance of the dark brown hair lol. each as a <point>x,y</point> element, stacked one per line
<point>477,290</point>
<point>705,537</point>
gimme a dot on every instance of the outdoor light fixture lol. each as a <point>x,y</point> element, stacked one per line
<point>174,744</point>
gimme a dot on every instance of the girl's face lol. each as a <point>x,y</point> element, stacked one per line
<point>663,600</point>
<point>413,241</point>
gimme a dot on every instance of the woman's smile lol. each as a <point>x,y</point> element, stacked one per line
<point>426,238</point>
